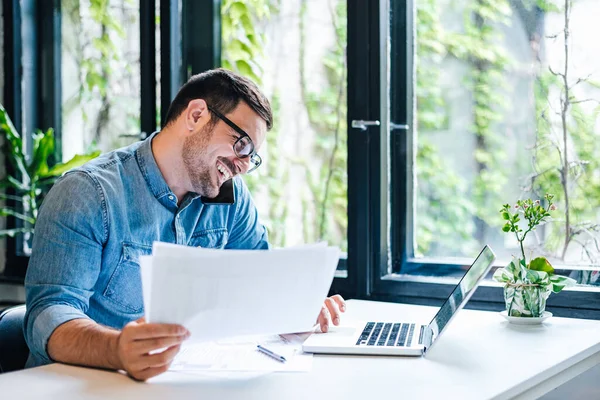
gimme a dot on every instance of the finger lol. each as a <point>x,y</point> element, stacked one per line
<point>334,310</point>
<point>148,331</point>
<point>147,345</point>
<point>160,359</point>
<point>148,373</point>
<point>340,302</point>
<point>324,319</point>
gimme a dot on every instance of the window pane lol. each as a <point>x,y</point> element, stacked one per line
<point>507,111</point>
<point>296,51</point>
<point>100,75</point>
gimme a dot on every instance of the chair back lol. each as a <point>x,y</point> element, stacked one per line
<point>13,348</point>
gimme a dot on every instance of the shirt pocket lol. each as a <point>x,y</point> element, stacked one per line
<point>215,238</point>
<point>125,284</point>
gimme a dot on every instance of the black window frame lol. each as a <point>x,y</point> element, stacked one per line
<point>15,262</point>
<point>30,28</point>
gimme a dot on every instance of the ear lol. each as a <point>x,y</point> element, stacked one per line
<point>196,115</point>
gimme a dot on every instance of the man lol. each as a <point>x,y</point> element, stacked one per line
<point>84,299</point>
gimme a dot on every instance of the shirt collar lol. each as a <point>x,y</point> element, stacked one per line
<point>150,170</point>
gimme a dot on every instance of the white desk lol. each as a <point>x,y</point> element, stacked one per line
<point>480,356</point>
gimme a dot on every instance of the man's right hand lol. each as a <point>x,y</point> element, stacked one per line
<point>137,344</point>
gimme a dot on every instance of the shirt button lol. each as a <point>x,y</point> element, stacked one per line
<point>171,197</point>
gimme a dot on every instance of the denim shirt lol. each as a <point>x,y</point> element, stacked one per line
<point>95,223</point>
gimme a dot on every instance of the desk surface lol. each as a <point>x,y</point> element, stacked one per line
<point>480,356</point>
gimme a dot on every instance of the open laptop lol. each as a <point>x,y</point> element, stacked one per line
<point>402,338</point>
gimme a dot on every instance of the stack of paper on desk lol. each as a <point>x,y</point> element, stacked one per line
<point>218,294</point>
<point>241,355</point>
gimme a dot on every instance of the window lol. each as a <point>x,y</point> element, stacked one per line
<point>297,52</point>
<point>462,102</point>
<point>485,102</point>
<point>76,66</point>
<point>102,65</point>
<point>100,50</point>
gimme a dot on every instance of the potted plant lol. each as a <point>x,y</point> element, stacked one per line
<point>24,188</point>
<point>527,284</point>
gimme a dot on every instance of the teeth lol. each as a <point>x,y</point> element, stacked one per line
<point>223,171</point>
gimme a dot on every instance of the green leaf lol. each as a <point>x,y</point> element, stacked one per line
<point>11,197</point>
<point>503,275</point>
<point>559,282</point>
<point>13,142</point>
<point>237,10</point>
<point>43,147</point>
<point>541,264</point>
<point>5,212</point>
<point>245,69</point>
<point>247,23</point>
<point>76,161</point>
<point>9,181</point>
<point>506,227</point>
<point>15,231</point>
<point>506,216</point>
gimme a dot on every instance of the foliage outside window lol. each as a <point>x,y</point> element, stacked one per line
<point>508,103</point>
<point>100,74</point>
<point>297,51</point>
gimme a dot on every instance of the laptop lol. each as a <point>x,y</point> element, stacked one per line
<point>402,338</point>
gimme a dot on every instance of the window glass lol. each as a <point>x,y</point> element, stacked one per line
<point>296,51</point>
<point>100,75</point>
<point>506,109</point>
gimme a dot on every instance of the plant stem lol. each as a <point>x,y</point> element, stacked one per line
<point>565,108</point>
<point>33,209</point>
<point>522,249</point>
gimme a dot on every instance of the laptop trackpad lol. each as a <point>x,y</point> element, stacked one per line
<point>341,331</point>
<point>337,335</point>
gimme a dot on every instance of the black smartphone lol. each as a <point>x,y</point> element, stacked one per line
<point>226,195</point>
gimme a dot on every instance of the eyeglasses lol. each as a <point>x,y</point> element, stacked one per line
<point>243,146</point>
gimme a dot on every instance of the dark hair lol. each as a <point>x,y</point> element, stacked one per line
<point>223,90</point>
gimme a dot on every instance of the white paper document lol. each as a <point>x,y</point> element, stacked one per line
<point>219,294</point>
<point>242,355</point>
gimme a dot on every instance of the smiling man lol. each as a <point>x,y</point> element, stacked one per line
<point>83,289</point>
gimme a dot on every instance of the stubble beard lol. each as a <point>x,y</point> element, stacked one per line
<point>194,159</point>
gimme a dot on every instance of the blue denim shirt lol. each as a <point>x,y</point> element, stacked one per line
<point>95,223</point>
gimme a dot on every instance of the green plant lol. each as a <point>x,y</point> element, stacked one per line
<point>528,285</point>
<point>534,213</point>
<point>242,39</point>
<point>32,176</point>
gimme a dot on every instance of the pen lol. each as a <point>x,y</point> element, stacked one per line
<point>271,354</point>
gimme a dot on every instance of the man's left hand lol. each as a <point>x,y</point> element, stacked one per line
<point>331,312</point>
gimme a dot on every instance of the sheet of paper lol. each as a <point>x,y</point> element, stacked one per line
<point>146,273</point>
<point>242,355</point>
<point>218,294</point>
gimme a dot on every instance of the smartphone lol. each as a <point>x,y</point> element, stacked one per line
<point>226,195</point>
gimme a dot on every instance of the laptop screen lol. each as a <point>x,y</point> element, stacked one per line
<point>461,293</point>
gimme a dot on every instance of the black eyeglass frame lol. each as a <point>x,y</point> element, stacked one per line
<point>255,159</point>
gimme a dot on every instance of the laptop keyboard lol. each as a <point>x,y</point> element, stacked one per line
<point>388,334</point>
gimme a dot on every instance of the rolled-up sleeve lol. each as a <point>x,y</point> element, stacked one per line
<point>246,231</point>
<point>66,257</point>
